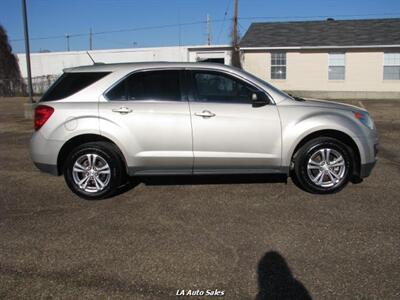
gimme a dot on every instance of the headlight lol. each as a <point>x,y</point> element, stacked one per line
<point>364,118</point>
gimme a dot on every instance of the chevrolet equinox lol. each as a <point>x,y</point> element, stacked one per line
<point>99,124</point>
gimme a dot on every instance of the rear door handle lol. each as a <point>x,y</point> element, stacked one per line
<point>122,110</point>
<point>205,114</point>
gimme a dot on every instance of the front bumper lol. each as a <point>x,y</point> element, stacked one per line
<point>368,145</point>
<point>51,169</point>
<point>366,169</point>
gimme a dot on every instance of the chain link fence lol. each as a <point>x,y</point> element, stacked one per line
<point>41,83</point>
<point>15,88</point>
<point>12,87</point>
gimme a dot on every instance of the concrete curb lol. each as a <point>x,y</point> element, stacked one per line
<point>28,110</point>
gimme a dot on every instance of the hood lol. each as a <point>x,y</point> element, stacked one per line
<point>328,104</point>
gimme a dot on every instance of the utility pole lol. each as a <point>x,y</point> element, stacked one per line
<point>235,34</point>
<point>208,30</point>
<point>27,51</point>
<point>235,60</point>
<point>67,41</point>
<point>90,39</point>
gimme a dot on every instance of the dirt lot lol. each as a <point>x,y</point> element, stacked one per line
<point>243,239</point>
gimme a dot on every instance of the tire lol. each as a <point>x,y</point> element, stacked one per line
<point>323,166</point>
<point>102,178</point>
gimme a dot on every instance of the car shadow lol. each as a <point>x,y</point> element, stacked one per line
<point>132,182</point>
<point>212,179</point>
<point>276,281</point>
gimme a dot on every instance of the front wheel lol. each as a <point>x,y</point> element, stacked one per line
<point>94,170</point>
<point>323,165</point>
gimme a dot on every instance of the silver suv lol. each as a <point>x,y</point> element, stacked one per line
<point>99,124</point>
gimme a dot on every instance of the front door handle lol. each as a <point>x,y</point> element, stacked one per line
<point>122,110</point>
<point>205,114</point>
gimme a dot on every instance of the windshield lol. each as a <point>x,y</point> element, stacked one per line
<point>270,86</point>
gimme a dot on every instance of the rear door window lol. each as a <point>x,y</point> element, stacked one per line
<point>148,85</point>
<point>71,83</point>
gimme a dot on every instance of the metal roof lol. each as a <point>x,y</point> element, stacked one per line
<point>334,33</point>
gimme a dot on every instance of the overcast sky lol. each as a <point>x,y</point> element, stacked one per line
<point>136,19</point>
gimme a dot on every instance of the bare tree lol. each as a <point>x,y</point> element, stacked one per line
<point>11,83</point>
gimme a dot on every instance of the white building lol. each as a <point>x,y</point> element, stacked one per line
<point>46,67</point>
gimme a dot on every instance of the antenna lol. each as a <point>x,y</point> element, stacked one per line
<point>95,63</point>
<point>87,52</point>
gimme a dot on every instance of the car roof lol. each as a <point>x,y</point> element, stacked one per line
<point>126,68</point>
<point>102,67</point>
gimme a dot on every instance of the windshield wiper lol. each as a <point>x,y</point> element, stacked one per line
<point>297,98</point>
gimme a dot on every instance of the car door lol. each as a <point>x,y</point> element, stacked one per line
<point>148,115</point>
<point>230,134</point>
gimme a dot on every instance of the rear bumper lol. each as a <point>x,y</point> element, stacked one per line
<point>44,153</point>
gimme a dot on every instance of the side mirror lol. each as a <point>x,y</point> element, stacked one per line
<point>259,99</point>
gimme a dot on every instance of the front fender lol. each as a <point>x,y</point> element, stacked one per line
<point>294,130</point>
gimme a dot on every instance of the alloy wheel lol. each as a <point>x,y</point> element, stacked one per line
<point>326,167</point>
<point>91,173</point>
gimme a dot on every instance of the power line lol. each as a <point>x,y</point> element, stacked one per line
<point>119,30</point>
<point>126,44</point>
<point>201,22</point>
<point>223,22</point>
<point>241,27</point>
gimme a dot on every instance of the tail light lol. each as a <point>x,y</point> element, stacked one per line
<point>42,114</point>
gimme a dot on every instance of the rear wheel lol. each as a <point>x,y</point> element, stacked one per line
<point>94,170</point>
<point>323,165</point>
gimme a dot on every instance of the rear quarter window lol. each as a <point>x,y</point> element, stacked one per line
<point>71,83</point>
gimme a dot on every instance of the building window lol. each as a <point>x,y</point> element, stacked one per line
<point>337,66</point>
<point>391,68</point>
<point>278,65</point>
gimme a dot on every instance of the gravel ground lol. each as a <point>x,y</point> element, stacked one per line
<point>258,239</point>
